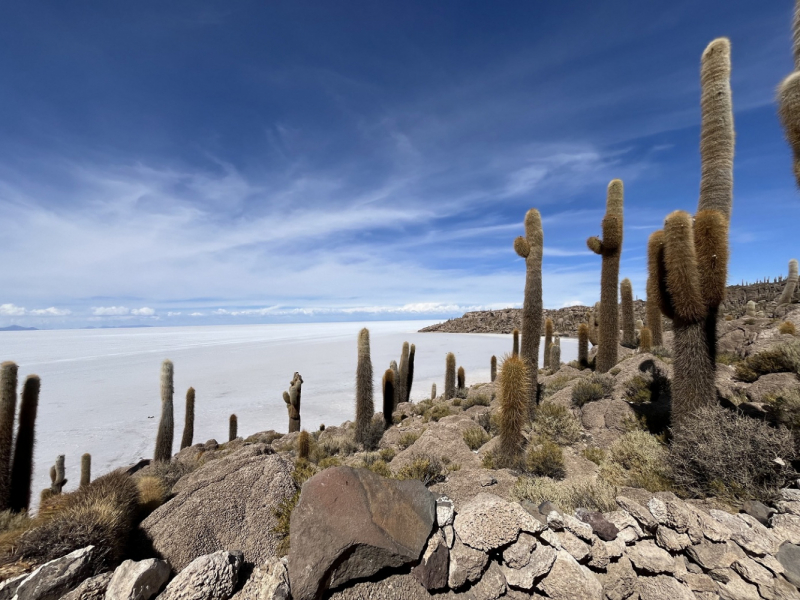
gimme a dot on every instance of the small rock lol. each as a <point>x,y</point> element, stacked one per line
<point>602,527</point>
<point>555,520</point>
<point>269,581</point>
<point>444,511</point>
<point>576,547</point>
<point>701,583</point>
<point>671,540</point>
<point>786,528</point>
<point>466,564</point>
<point>546,507</point>
<point>9,587</point>
<point>780,590</point>
<point>578,528</point>
<point>541,560</point>
<point>568,580</point>
<point>518,554</point>
<point>752,571</point>
<point>646,556</point>
<point>209,577</point>
<point>490,587</point>
<point>789,558</point>
<point>712,556</point>
<point>599,558</point>
<point>620,581</point>
<point>735,588</point>
<point>549,536</point>
<point>638,512</point>
<point>432,570</point>
<point>138,580</point>
<point>449,535</point>
<point>663,587</point>
<point>57,577</point>
<point>790,495</point>
<point>488,522</point>
<point>93,588</point>
<point>759,511</point>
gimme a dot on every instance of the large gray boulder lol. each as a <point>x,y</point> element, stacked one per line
<point>227,503</point>
<point>54,579</point>
<point>140,580</point>
<point>351,523</point>
<point>210,577</point>
<point>487,522</point>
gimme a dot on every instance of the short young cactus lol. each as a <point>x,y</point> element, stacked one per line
<point>233,428</point>
<point>450,376</point>
<point>86,470</point>
<point>583,345</point>
<point>628,321</point>
<point>402,372</point>
<point>461,379</point>
<point>555,355</point>
<point>645,340</point>
<point>58,478</point>
<point>514,394</point>
<point>410,376</point>
<point>365,402</point>
<point>493,367</point>
<point>303,445</point>
<point>433,391</point>
<point>750,308</point>
<point>188,424</point>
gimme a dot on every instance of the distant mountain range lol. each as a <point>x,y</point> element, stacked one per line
<point>18,328</point>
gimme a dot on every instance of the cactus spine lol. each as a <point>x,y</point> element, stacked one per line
<point>515,342</point>
<point>402,372</point>
<point>388,398</point>
<point>548,340</point>
<point>628,321</point>
<point>645,340</point>
<point>449,376</point>
<point>365,404</point>
<point>789,98</point>
<point>188,424</point>
<point>530,248</point>
<point>58,478</point>
<point>493,367</point>
<point>303,445</point>
<point>555,355</point>
<point>514,394</point>
<point>655,258</point>
<point>695,252</point>
<point>86,470</point>
<point>610,249</point>
<point>22,469</point>
<point>8,407</point>
<point>791,284</point>
<point>233,428</point>
<point>583,345</point>
<point>462,383</point>
<point>410,378</point>
<point>292,400</point>
<point>166,425</point>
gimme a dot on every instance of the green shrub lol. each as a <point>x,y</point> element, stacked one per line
<point>596,455</point>
<point>556,423</point>
<point>721,453</point>
<point>328,462</point>
<point>487,462</point>
<point>545,460</point>
<point>589,493</point>
<point>475,437</point>
<point>380,467</point>
<point>428,469</point>
<point>476,400</point>
<point>557,383</point>
<point>781,358</point>
<point>387,454</point>
<point>342,445</point>
<point>303,471</point>
<point>728,358</point>
<point>420,408</point>
<point>637,389</point>
<point>592,388</point>
<point>456,401</point>
<point>435,413</point>
<point>637,459</point>
<point>408,439</point>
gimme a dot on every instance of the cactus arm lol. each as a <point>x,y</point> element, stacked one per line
<point>521,247</point>
<point>683,277</point>
<point>595,244</point>
<point>711,247</point>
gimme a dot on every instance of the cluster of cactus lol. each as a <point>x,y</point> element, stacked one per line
<point>166,424</point>
<point>292,400</point>
<point>365,403</point>
<point>610,249</point>
<point>16,470</point>
<point>530,247</point>
<point>513,392</point>
<point>188,424</point>
<point>628,321</point>
<point>791,284</point>
<point>690,255</point>
<point>789,98</point>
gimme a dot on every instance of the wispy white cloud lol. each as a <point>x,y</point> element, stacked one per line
<point>11,310</point>
<point>119,311</point>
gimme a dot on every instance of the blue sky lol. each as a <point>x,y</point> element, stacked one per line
<point>174,163</point>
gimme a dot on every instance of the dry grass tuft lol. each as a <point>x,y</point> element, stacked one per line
<point>556,423</point>
<point>637,459</point>
<point>567,495</point>
<point>476,437</point>
<point>545,460</point>
<point>592,388</point>
<point>787,328</point>
<point>781,358</point>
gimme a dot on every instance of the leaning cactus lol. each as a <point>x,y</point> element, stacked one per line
<point>58,478</point>
<point>22,469</point>
<point>493,367</point>
<point>86,470</point>
<point>530,248</point>
<point>791,284</point>
<point>410,376</point>
<point>188,424</point>
<point>610,248</point>
<point>514,394</point>
<point>233,428</point>
<point>628,322</point>
<point>365,403</point>
<point>450,376</point>
<point>166,425</point>
<point>583,345</point>
<point>695,251</point>
<point>292,400</point>
<point>8,408</point>
<point>789,98</point>
<point>388,398</point>
<point>402,372</point>
<point>548,340</point>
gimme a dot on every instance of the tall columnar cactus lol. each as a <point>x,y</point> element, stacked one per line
<point>8,408</point>
<point>493,367</point>
<point>548,340</point>
<point>58,478</point>
<point>583,345</point>
<point>750,308</point>
<point>410,377</point>
<point>514,393</point>
<point>233,427</point>
<point>789,98</point>
<point>530,248</point>
<point>166,425</point>
<point>645,340</point>
<point>594,325</point>
<point>628,321</point>
<point>791,284</point>
<point>22,469</point>
<point>450,376</point>
<point>86,469</point>
<point>292,400</point>
<point>515,342</point>
<point>555,354</point>
<point>388,398</point>
<point>461,383</point>
<point>695,251</point>
<point>188,424</point>
<point>396,371</point>
<point>365,403</point>
<point>433,391</point>
<point>303,445</point>
<point>610,248</point>
<point>400,384</point>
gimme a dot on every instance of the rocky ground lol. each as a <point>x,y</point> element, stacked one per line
<point>426,513</point>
